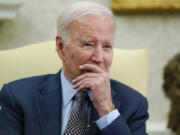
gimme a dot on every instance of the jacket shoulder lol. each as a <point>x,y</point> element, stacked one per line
<point>28,82</point>
<point>24,88</point>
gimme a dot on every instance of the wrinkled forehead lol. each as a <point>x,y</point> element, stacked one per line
<point>93,23</point>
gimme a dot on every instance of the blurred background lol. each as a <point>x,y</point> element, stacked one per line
<point>35,21</point>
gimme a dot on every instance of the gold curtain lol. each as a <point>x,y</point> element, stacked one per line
<point>145,5</point>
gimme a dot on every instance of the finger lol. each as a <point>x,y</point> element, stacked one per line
<point>86,85</point>
<point>91,68</point>
<point>84,82</point>
<point>77,85</point>
<point>83,76</point>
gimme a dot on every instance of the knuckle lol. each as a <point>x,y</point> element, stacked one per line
<point>101,79</point>
<point>106,75</point>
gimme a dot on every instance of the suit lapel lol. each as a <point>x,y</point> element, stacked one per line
<point>115,97</point>
<point>49,105</point>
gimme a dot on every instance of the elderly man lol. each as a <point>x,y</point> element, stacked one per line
<point>81,98</point>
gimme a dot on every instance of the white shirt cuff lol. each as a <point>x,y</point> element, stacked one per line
<point>107,119</point>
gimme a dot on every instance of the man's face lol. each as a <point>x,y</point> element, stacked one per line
<point>91,42</point>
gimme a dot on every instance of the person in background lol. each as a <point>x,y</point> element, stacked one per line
<point>171,88</point>
<point>81,98</point>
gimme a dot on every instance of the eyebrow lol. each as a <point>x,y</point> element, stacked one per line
<point>93,41</point>
<point>87,40</point>
<point>111,43</point>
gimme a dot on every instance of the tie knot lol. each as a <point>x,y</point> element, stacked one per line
<point>80,96</point>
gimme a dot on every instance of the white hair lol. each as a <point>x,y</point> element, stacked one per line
<point>75,12</point>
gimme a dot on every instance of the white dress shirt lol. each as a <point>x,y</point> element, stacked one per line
<point>68,104</point>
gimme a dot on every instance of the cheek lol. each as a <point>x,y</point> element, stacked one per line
<point>109,59</point>
<point>82,56</point>
<point>77,59</point>
<point>72,57</point>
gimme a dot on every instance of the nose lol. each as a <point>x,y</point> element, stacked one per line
<point>98,55</point>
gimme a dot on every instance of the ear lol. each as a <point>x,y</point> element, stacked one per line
<point>59,47</point>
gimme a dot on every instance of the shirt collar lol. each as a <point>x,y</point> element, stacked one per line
<point>67,91</point>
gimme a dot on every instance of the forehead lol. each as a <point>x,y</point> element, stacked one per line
<point>93,25</point>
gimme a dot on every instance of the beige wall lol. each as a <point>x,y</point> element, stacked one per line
<point>159,34</point>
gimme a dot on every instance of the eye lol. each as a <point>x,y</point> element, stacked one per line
<point>88,44</point>
<point>108,46</point>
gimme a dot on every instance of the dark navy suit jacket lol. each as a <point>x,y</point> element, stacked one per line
<point>32,106</point>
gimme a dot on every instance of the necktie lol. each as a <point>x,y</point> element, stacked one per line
<point>77,123</point>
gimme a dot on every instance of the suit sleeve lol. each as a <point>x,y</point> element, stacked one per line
<point>11,119</point>
<point>136,125</point>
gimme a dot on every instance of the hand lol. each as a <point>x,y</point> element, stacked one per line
<point>98,81</point>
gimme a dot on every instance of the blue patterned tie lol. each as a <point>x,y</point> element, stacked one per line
<point>77,123</point>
